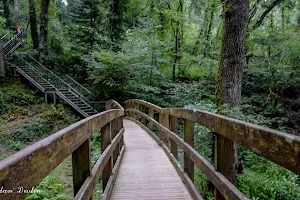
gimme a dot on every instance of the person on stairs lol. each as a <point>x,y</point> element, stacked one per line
<point>19,32</point>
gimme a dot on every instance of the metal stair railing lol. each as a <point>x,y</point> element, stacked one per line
<point>59,83</point>
<point>80,88</point>
<point>13,42</point>
<point>6,37</point>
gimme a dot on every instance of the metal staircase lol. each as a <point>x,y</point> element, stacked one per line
<point>66,88</point>
<point>11,42</point>
<point>62,87</point>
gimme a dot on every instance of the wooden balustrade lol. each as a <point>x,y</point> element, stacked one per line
<point>29,166</point>
<point>279,147</point>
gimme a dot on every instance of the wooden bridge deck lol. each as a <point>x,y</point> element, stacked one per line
<point>145,171</point>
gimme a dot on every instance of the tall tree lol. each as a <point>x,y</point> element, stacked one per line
<point>229,78</point>
<point>116,23</point>
<point>86,24</point>
<point>6,12</point>
<point>43,46</point>
<point>17,7</point>
<point>33,24</point>
<point>178,36</point>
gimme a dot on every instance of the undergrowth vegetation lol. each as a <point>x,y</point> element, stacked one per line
<point>25,119</point>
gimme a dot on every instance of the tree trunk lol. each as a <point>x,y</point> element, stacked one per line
<point>17,11</point>
<point>43,46</point>
<point>6,12</point>
<point>2,66</point>
<point>33,25</point>
<point>209,28</point>
<point>229,78</point>
<point>178,40</point>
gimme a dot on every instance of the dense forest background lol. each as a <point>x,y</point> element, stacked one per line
<point>168,53</point>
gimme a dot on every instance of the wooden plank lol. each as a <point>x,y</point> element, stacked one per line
<point>184,177</point>
<point>34,159</point>
<point>146,172</point>
<point>81,165</point>
<point>174,129</point>
<point>108,190</point>
<point>279,147</point>
<point>86,190</point>
<point>227,189</point>
<point>105,142</point>
<point>188,133</point>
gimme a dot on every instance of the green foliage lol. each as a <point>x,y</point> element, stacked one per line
<point>15,95</point>
<point>50,188</point>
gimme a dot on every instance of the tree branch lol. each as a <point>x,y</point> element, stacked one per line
<point>266,12</point>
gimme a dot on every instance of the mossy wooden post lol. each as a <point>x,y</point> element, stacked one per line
<point>189,138</point>
<point>137,114</point>
<point>143,110</point>
<point>81,164</point>
<point>166,123</point>
<point>120,126</point>
<point>174,129</point>
<point>114,131</point>
<point>225,159</point>
<point>105,141</point>
<point>151,114</point>
<point>160,122</point>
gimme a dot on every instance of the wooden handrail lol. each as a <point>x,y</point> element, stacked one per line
<point>29,166</point>
<point>279,147</point>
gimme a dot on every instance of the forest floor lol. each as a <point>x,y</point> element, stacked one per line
<point>25,119</point>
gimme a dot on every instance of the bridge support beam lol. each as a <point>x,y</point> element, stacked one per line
<point>189,138</point>
<point>81,164</point>
<point>174,129</point>
<point>225,160</point>
<point>105,141</point>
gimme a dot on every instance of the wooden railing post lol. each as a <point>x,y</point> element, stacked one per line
<point>161,133</point>
<point>114,131</point>
<point>105,141</point>
<point>166,123</point>
<point>225,160</point>
<point>151,114</point>
<point>143,110</point>
<point>189,138</point>
<point>174,129</point>
<point>137,114</point>
<point>81,164</point>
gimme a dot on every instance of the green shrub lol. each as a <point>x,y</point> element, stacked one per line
<point>50,188</point>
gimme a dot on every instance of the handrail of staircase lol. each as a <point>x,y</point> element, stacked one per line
<point>75,82</point>
<point>79,85</point>
<point>57,77</point>
<point>5,35</point>
<point>35,70</point>
<point>16,36</point>
<point>91,103</point>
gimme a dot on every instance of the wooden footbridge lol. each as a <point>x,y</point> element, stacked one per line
<point>139,145</point>
<point>139,158</point>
